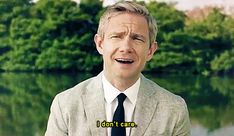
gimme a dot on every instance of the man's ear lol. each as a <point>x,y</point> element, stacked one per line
<point>99,43</point>
<point>152,50</point>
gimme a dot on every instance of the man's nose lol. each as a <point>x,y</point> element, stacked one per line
<point>126,45</point>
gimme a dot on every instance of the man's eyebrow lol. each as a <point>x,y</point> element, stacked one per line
<point>117,33</point>
<point>114,33</point>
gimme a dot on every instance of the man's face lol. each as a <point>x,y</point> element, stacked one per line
<point>125,46</point>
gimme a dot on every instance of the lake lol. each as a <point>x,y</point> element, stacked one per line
<point>25,100</point>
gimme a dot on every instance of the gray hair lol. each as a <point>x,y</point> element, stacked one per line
<point>130,7</point>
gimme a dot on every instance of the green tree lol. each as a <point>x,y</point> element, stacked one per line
<point>167,17</point>
<point>9,10</point>
<point>171,39</point>
<point>58,35</point>
<point>55,34</point>
<point>71,42</point>
<point>212,36</point>
<point>223,63</point>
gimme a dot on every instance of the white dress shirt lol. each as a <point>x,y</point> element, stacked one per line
<point>111,102</point>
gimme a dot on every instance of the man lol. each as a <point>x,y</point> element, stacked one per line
<point>102,105</point>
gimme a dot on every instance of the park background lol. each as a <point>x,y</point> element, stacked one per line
<point>47,47</point>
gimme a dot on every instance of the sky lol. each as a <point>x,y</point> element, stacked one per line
<point>190,4</point>
<point>187,4</point>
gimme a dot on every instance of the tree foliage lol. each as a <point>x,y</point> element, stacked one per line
<point>193,46</point>
<point>58,35</point>
<point>224,62</point>
<point>53,34</point>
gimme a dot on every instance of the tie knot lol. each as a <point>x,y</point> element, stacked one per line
<point>121,97</point>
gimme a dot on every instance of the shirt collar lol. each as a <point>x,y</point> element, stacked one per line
<point>110,92</point>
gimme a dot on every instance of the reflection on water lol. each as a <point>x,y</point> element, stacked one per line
<point>210,101</point>
<point>25,99</point>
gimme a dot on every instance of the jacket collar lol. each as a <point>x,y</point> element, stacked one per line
<point>145,107</point>
<point>94,105</point>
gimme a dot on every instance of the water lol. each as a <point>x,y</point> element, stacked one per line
<point>25,100</point>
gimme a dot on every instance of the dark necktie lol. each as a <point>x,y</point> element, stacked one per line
<point>119,117</point>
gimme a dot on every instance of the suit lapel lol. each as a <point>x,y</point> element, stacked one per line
<point>145,107</point>
<point>94,105</point>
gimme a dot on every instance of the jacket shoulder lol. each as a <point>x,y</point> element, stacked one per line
<point>73,96</point>
<point>163,95</point>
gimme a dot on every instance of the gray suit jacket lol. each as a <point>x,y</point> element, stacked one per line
<point>75,112</point>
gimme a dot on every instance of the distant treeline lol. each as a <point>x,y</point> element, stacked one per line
<point>53,35</point>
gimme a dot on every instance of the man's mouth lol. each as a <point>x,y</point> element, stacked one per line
<point>124,61</point>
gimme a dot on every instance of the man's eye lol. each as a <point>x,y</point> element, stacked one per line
<point>115,36</point>
<point>139,39</point>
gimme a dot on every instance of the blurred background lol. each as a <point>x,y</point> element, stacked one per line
<point>46,46</point>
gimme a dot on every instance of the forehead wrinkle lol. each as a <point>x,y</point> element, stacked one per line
<point>133,32</point>
<point>130,28</point>
<point>126,26</point>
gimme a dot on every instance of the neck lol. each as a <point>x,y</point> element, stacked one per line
<point>121,83</point>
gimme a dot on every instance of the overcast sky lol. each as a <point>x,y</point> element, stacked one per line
<point>187,4</point>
